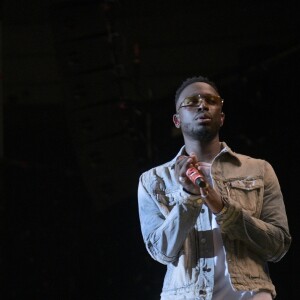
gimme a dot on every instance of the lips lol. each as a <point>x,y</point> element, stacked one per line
<point>203,117</point>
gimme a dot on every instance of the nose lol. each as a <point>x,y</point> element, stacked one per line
<point>202,104</point>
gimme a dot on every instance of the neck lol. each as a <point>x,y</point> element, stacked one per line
<point>205,151</point>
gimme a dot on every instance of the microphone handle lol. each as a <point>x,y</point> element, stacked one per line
<point>200,182</point>
<point>193,174</point>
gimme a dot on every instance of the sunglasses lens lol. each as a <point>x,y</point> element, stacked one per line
<point>212,100</point>
<point>192,101</point>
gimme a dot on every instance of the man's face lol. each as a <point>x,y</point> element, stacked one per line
<point>199,111</point>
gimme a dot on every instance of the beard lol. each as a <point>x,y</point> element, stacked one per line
<point>202,133</point>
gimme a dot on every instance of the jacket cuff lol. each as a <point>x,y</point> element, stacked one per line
<point>188,198</point>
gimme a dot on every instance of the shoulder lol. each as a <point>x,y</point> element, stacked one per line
<point>243,158</point>
<point>246,162</point>
<point>161,170</point>
<point>255,165</point>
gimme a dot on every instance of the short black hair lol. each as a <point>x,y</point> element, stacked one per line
<point>191,80</point>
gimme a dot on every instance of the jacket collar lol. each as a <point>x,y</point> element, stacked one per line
<point>224,149</point>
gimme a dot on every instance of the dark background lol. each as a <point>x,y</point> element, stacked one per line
<point>87,101</point>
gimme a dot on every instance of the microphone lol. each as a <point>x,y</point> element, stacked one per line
<point>193,174</point>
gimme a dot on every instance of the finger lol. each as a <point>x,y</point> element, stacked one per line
<point>204,192</point>
<point>180,159</point>
<point>194,157</point>
<point>182,179</point>
<point>183,161</point>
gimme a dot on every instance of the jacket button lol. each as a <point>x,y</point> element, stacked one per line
<point>202,292</point>
<point>205,269</point>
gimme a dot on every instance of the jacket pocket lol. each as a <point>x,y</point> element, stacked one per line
<point>247,192</point>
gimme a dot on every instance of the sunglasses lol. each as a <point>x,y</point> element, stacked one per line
<point>196,100</point>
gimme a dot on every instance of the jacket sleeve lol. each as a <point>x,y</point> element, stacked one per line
<point>267,235</point>
<point>165,219</point>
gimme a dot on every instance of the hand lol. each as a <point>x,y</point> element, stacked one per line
<point>183,163</point>
<point>207,193</point>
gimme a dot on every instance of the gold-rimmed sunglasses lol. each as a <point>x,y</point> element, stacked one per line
<point>196,100</point>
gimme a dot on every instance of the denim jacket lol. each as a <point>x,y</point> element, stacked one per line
<point>254,228</point>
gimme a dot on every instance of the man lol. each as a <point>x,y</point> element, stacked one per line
<point>213,216</point>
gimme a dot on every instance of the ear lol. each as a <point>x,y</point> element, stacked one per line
<point>222,119</point>
<point>176,120</point>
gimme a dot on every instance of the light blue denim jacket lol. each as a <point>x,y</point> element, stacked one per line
<point>254,228</point>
